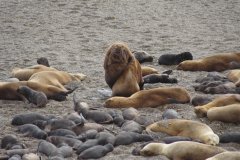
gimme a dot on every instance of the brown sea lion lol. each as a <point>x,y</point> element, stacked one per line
<point>123,72</point>
<point>228,113</point>
<point>219,62</point>
<point>234,76</point>
<point>150,98</point>
<point>201,111</point>
<point>23,74</point>
<point>181,150</point>
<point>186,128</point>
<point>148,70</point>
<point>226,156</point>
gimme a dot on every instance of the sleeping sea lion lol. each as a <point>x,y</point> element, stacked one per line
<point>226,155</point>
<point>186,128</point>
<point>148,70</point>
<point>150,98</point>
<point>123,72</point>
<point>219,62</point>
<point>142,56</point>
<point>33,131</point>
<point>173,59</point>
<point>159,78</point>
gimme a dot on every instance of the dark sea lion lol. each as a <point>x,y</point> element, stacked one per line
<point>62,132</point>
<point>218,62</point>
<point>8,141</point>
<point>126,138</point>
<point>79,129</point>
<point>37,98</point>
<point>173,59</point>
<point>159,78</point>
<point>221,88</point>
<point>142,56</point>
<point>60,124</point>
<point>23,74</point>
<point>105,137</point>
<point>230,137</point>
<point>173,139</point>
<point>148,70</point>
<point>202,86</point>
<point>228,113</point>
<point>43,61</point>
<point>130,113</point>
<point>181,150</point>
<point>200,100</point>
<point>150,98</point>
<point>132,126</point>
<point>60,141</point>
<point>89,134</point>
<point>33,131</point>
<point>96,152</point>
<point>201,111</point>
<point>186,128</point>
<point>27,118</point>
<point>143,120</point>
<point>170,114</point>
<point>123,72</point>
<point>40,123</point>
<point>75,117</point>
<point>117,118</point>
<point>88,144</point>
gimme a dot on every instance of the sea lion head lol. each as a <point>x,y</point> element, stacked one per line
<point>210,139</point>
<point>43,61</point>
<point>200,111</point>
<point>185,56</point>
<point>24,90</point>
<point>114,102</point>
<point>185,65</point>
<point>152,149</point>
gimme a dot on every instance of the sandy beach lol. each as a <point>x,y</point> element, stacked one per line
<point>74,36</point>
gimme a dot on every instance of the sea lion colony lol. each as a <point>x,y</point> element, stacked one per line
<point>82,131</point>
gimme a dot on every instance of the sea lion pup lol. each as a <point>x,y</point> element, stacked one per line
<point>62,132</point>
<point>173,59</point>
<point>32,130</point>
<point>219,62</point>
<point>170,114</point>
<point>43,61</point>
<point>230,137</point>
<point>201,111</point>
<point>56,78</point>
<point>117,118</point>
<point>234,76</point>
<point>60,141</point>
<point>226,155</point>
<point>159,78</point>
<point>126,138</point>
<point>181,150</point>
<point>23,74</point>
<point>8,141</point>
<point>96,152</point>
<point>34,97</point>
<point>148,70</point>
<point>200,100</point>
<point>131,126</point>
<point>54,124</point>
<point>81,128</point>
<point>186,128</point>
<point>228,113</point>
<point>142,56</point>
<point>130,113</point>
<point>150,98</point>
<point>123,72</point>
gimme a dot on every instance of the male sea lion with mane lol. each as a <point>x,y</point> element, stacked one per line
<point>219,62</point>
<point>150,98</point>
<point>123,72</point>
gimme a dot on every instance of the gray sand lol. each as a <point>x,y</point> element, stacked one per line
<point>74,34</point>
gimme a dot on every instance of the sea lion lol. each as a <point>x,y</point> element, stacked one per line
<point>43,61</point>
<point>23,74</point>
<point>200,100</point>
<point>150,98</point>
<point>117,118</point>
<point>173,139</point>
<point>219,62</point>
<point>8,141</point>
<point>88,144</point>
<point>230,137</point>
<point>228,113</point>
<point>60,141</point>
<point>123,72</point>
<point>89,134</point>
<point>62,132</point>
<point>131,126</point>
<point>79,129</point>
<point>173,59</point>
<point>159,78</point>
<point>201,111</point>
<point>234,76</point>
<point>126,138</point>
<point>186,128</point>
<point>54,124</point>
<point>130,113</point>
<point>148,70</point>
<point>226,155</point>
<point>75,117</point>
<point>142,56</point>
<point>56,78</point>
<point>105,137</point>
<point>170,114</point>
<point>33,131</point>
<point>96,152</point>
<point>34,97</point>
<point>181,150</point>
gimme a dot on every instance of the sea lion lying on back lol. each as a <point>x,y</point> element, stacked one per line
<point>186,128</point>
<point>219,62</point>
<point>201,111</point>
<point>181,150</point>
<point>23,74</point>
<point>123,72</point>
<point>150,98</point>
